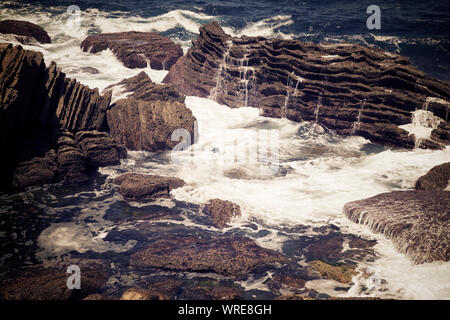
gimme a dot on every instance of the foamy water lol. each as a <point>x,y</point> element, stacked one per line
<point>307,182</point>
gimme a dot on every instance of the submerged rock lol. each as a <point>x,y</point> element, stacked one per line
<point>418,222</point>
<point>149,115</point>
<point>221,211</point>
<point>25,31</point>
<point>228,256</point>
<point>142,187</point>
<point>435,179</point>
<point>42,282</point>
<point>136,49</point>
<point>345,87</point>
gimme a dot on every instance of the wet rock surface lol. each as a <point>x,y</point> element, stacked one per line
<point>345,87</point>
<point>417,221</point>
<point>147,118</point>
<point>25,31</point>
<point>228,256</point>
<point>136,49</point>
<point>221,211</point>
<point>435,179</point>
<point>141,187</point>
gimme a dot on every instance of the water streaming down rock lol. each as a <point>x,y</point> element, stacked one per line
<point>416,221</point>
<point>392,87</point>
<point>357,123</point>
<point>317,110</point>
<point>218,75</point>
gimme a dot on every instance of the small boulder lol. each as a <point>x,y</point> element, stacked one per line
<point>436,179</point>
<point>221,212</point>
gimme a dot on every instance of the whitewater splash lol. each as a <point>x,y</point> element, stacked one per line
<point>318,174</point>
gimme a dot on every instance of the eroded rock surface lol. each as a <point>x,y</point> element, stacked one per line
<point>149,115</point>
<point>345,87</point>
<point>418,222</point>
<point>136,49</point>
<point>435,179</point>
<point>43,114</point>
<point>221,211</point>
<point>142,187</point>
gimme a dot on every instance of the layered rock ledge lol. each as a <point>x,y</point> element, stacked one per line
<point>345,87</point>
<point>148,115</point>
<point>418,222</point>
<point>136,49</point>
<point>52,128</point>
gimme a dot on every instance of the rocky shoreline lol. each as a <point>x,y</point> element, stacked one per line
<point>55,129</point>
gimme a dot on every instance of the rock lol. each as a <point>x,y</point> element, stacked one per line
<point>339,273</point>
<point>416,221</point>
<point>146,119</point>
<point>142,294</point>
<point>142,187</point>
<point>39,101</point>
<point>436,179</point>
<point>221,211</point>
<point>39,170</point>
<point>442,133</point>
<point>136,49</point>
<point>345,87</point>
<point>70,160</point>
<point>99,149</point>
<point>24,30</point>
<point>42,282</point>
<point>228,256</point>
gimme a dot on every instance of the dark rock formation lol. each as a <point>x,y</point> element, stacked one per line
<point>136,49</point>
<point>418,222</point>
<point>435,179</point>
<point>221,211</point>
<point>345,87</point>
<point>43,119</point>
<point>99,149</point>
<point>42,282</point>
<point>25,31</point>
<point>142,187</point>
<point>228,256</point>
<point>146,119</point>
